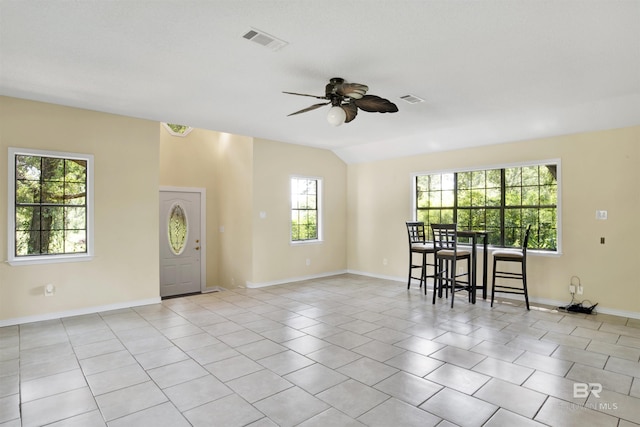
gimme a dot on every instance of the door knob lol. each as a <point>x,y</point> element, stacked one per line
<point>197,248</point>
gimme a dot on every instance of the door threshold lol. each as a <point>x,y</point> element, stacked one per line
<point>180,295</point>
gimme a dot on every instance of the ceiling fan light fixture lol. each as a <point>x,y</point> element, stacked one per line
<point>336,116</point>
<point>346,99</point>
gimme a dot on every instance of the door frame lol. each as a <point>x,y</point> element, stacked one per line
<point>203,228</point>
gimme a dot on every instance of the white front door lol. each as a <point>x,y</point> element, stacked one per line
<point>180,243</point>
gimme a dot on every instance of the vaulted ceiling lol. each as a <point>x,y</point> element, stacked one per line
<point>488,71</point>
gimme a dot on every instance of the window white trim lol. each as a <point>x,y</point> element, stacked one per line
<point>11,206</point>
<point>319,207</point>
<point>556,161</point>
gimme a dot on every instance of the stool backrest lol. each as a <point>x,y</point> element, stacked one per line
<point>445,236</point>
<point>415,230</point>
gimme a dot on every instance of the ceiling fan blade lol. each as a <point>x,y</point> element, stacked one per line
<point>352,111</point>
<point>375,104</point>
<point>313,107</point>
<point>352,90</point>
<point>304,94</point>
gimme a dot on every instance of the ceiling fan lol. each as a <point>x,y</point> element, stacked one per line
<point>345,99</point>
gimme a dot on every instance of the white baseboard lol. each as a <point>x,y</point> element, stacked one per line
<point>77,312</point>
<point>551,302</point>
<point>599,309</point>
<point>252,285</point>
<point>378,276</point>
<point>213,289</point>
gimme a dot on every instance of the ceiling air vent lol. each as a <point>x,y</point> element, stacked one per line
<point>265,39</point>
<point>411,99</point>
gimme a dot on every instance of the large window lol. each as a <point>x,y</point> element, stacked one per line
<point>502,201</point>
<point>305,209</point>
<point>50,206</point>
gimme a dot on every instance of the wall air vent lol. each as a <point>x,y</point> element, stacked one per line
<point>411,99</point>
<point>264,39</point>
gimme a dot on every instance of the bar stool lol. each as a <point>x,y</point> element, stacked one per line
<point>511,256</point>
<point>420,246</point>
<point>448,254</point>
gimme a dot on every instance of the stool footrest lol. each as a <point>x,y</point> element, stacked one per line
<point>507,275</point>
<point>508,290</point>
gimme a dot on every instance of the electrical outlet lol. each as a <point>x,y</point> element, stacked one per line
<point>308,261</point>
<point>49,290</point>
<point>385,261</point>
<point>572,289</point>
<point>580,290</point>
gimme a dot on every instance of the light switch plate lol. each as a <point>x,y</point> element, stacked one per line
<point>601,215</point>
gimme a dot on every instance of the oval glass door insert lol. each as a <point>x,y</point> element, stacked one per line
<point>178,226</point>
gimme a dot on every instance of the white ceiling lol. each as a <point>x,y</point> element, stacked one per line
<point>490,71</point>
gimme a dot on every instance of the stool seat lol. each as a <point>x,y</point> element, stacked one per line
<point>428,246</point>
<point>508,254</point>
<point>450,253</point>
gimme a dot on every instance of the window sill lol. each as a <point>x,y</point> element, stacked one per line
<point>530,252</point>
<point>49,259</point>
<point>553,254</point>
<point>306,242</point>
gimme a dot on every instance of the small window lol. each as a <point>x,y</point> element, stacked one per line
<point>305,209</point>
<point>50,204</point>
<point>177,130</point>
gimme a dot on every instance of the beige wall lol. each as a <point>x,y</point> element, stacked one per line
<point>274,258</point>
<point>365,207</point>
<point>125,267</point>
<point>244,177</point>
<point>220,163</point>
<point>234,206</point>
<point>599,171</point>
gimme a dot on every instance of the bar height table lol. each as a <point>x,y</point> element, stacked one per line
<point>475,235</point>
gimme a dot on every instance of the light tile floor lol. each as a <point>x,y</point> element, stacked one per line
<point>341,351</point>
